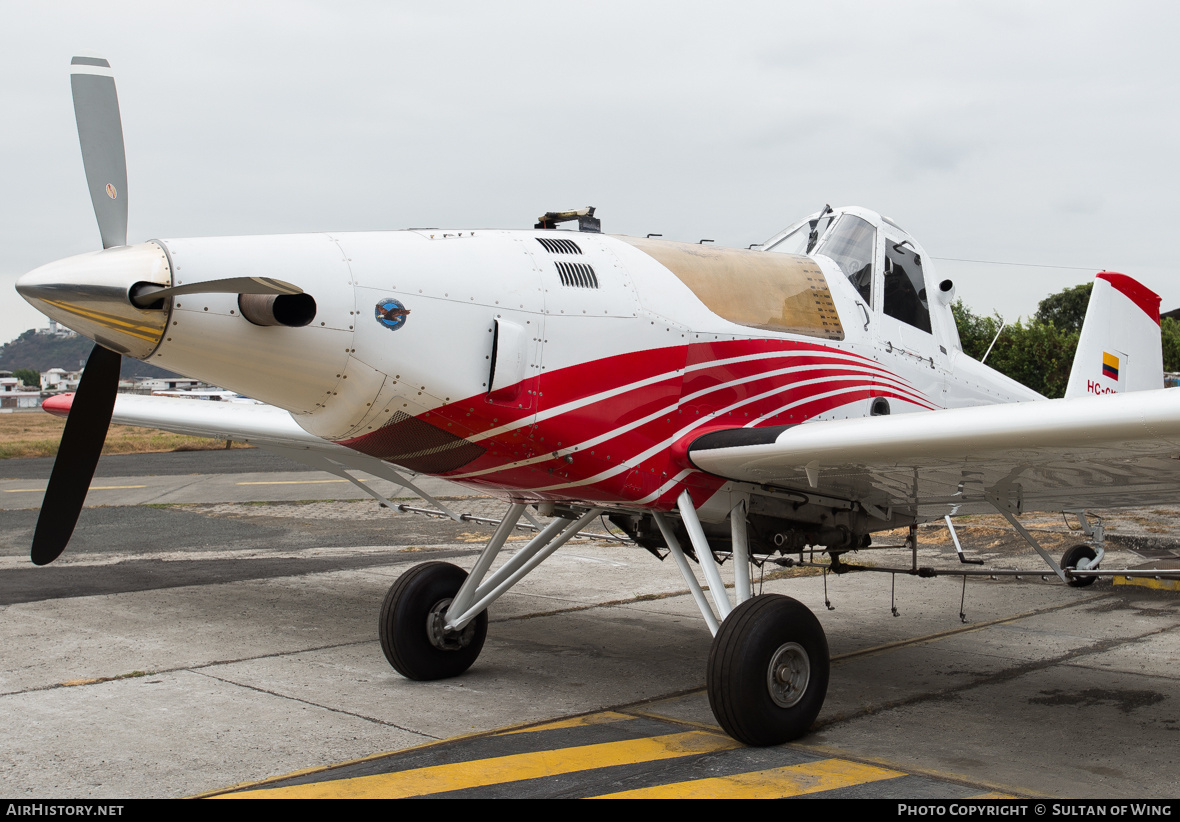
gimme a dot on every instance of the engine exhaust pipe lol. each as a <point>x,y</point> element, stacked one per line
<point>291,310</point>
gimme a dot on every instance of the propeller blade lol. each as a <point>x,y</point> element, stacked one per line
<point>100,132</point>
<point>146,294</point>
<point>77,456</point>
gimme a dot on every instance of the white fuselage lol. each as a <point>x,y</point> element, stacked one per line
<point>551,365</point>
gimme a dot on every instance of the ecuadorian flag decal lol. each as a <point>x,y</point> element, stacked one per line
<point>1110,366</point>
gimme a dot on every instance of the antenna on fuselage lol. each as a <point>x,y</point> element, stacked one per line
<point>1003,325</point>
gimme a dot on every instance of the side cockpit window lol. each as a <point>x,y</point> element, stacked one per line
<point>905,291</point>
<point>851,245</point>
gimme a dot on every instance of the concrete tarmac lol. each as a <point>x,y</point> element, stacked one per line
<point>201,633</point>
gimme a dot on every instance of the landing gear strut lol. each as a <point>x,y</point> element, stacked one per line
<point>768,666</point>
<point>768,671</point>
<point>434,619</point>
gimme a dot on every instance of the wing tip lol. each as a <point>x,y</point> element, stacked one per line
<point>58,405</point>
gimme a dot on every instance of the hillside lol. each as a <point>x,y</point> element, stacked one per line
<point>42,352</point>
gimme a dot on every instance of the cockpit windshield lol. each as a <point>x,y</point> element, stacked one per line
<point>850,244</point>
<point>795,242</point>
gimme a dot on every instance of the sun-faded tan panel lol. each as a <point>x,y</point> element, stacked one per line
<point>776,292</point>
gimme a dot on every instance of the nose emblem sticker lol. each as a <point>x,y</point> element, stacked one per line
<point>391,313</point>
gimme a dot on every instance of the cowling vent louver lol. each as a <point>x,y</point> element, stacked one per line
<point>577,275</point>
<point>556,245</point>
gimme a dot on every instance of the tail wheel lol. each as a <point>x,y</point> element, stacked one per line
<point>411,625</point>
<point>768,671</point>
<point>1070,560</point>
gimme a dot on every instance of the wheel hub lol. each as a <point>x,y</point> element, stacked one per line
<point>440,637</point>
<point>788,674</point>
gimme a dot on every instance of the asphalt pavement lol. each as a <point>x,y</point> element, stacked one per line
<point>215,461</point>
<point>203,632</point>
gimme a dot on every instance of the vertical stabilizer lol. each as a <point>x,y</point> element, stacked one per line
<point>1119,349</point>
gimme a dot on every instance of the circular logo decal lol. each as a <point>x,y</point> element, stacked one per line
<point>111,191</point>
<point>391,313</point>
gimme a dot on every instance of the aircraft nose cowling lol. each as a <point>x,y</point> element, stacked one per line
<point>88,293</point>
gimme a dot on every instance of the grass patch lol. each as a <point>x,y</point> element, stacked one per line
<point>38,434</point>
<point>788,573</point>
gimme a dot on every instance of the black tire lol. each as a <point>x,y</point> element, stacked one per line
<point>1070,560</point>
<point>404,626</point>
<point>740,663</point>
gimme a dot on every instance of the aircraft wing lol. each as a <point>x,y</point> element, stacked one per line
<point>265,426</point>
<point>1051,455</point>
<point>242,422</point>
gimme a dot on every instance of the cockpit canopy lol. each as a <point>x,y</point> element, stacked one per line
<point>882,262</point>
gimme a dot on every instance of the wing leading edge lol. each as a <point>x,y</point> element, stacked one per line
<point>265,426</point>
<point>242,422</point>
<point>1108,452</point>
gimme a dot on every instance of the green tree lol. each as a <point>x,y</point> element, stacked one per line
<point>975,332</point>
<point>1067,308</point>
<point>28,376</point>
<point>1170,337</point>
<point>1036,354</point>
<point>1039,353</point>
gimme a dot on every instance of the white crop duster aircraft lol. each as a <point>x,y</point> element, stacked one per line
<point>710,401</point>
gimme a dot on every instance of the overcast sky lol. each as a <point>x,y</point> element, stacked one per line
<point>1042,133</point>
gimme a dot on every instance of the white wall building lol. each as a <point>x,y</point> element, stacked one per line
<point>14,395</point>
<point>58,380</point>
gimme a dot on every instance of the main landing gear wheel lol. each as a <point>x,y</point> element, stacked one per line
<point>412,617</point>
<point>1071,559</point>
<point>768,671</point>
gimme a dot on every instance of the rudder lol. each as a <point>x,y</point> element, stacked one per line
<point>1119,349</point>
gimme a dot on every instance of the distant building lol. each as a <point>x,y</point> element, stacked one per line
<point>150,385</point>
<point>55,330</point>
<point>14,395</point>
<point>58,380</point>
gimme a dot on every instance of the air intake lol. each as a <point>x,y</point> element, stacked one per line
<point>577,275</point>
<point>558,246</point>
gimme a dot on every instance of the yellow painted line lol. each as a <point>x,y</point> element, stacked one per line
<point>92,488</point>
<point>913,770</point>
<point>296,482</point>
<point>792,780</point>
<point>498,770</point>
<point>577,722</point>
<point>272,780</point>
<point>1148,582</point>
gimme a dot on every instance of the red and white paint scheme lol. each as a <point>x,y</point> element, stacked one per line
<point>748,402</point>
<point>1119,349</point>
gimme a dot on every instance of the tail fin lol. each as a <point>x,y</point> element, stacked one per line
<point>1119,349</point>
